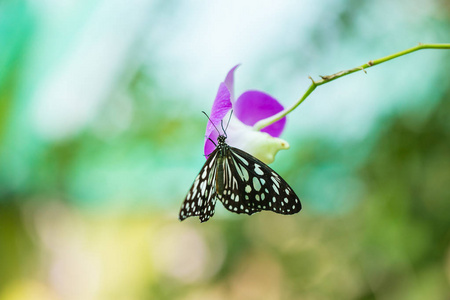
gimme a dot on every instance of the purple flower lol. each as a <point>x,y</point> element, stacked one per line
<point>249,108</point>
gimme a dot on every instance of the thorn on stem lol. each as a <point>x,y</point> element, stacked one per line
<point>362,68</point>
<point>312,80</point>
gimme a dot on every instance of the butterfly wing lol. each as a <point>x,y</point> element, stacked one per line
<point>235,197</point>
<point>201,198</point>
<point>252,186</point>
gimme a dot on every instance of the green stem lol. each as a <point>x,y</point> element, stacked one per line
<point>325,79</point>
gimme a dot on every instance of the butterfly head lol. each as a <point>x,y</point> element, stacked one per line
<point>221,139</point>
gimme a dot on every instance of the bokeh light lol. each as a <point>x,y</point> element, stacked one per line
<point>101,135</point>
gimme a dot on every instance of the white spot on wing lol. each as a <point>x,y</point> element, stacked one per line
<point>244,174</point>
<point>256,184</point>
<point>275,181</point>
<point>241,159</point>
<point>275,189</point>
<point>235,183</point>
<point>258,170</point>
<point>203,187</point>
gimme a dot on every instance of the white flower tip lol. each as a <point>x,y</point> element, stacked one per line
<point>283,144</point>
<point>267,150</point>
<point>259,144</point>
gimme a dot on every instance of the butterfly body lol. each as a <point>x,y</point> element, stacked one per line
<point>223,150</point>
<point>243,184</point>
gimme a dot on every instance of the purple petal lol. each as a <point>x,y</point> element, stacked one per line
<point>229,81</point>
<point>209,146</point>
<point>253,106</point>
<point>221,106</point>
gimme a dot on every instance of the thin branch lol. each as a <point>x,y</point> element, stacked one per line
<point>325,79</point>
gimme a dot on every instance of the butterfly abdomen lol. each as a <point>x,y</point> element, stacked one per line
<point>220,186</point>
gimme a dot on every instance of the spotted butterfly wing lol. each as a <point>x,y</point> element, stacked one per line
<point>201,198</point>
<point>243,184</point>
<point>257,187</point>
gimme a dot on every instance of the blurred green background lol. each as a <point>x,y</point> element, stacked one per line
<point>101,136</point>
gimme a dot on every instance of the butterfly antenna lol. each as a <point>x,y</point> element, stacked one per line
<point>228,123</point>
<point>212,141</point>
<point>229,119</point>
<point>211,121</point>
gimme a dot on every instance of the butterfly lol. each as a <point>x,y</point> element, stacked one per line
<point>243,183</point>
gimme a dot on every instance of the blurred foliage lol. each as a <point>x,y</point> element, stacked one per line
<point>92,214</point>
<point>394,244</point>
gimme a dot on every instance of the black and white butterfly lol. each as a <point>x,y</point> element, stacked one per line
<point>243,184</point>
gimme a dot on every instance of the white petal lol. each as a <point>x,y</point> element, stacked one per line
<point>257,143</point>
